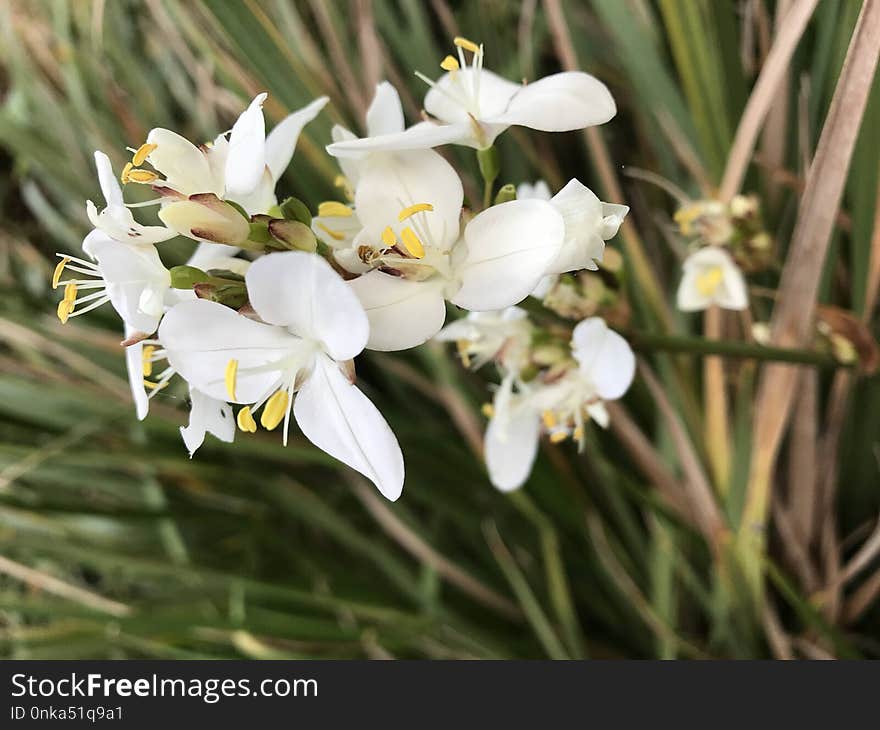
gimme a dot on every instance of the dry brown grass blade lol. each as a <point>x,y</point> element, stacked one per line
<point>803,476</point>
<point>773,74</point>
<point>793,314</point>
<point>352,89</point>
<point>369,48</point>
<point>717,418</point>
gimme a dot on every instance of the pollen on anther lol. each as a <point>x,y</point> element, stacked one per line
<point>558,436</point>
<point>412,243</point>
<point>230,376</point>
<point>389,238</point>
<point>246,421</point>
<point>65,307</point>
<point>449,64</point>
<point>274,410</point>
<point>338,235</point>
<point>70,290</point>
<point>334,209</point>
<point>548,419</point>
<point>147,360</point>
<point>124,177</point>
<point>142,153</point>
<point>142,176</point>
<point>59,270</point>
<point>413,209</point>
<point>466,44</point>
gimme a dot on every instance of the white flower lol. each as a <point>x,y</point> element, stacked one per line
<point>711,277</point>
<point>208,415</point>
<point>483,336</point>
<point>538,190</point>
<point>311,325</point>
<point>408,206</point>
<point>606,366</point>
<point>473,106</point>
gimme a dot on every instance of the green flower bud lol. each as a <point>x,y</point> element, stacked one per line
<point>186,277</point>
<point>293,209</point>
<point>505,194</point>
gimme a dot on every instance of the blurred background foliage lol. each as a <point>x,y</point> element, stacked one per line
<point>114,544</point>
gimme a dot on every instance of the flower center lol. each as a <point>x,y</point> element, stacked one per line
<point>462,92</point>
<point>709,280</point>
<point>72,287</point>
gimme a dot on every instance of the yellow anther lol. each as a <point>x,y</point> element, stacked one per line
<point>558,436</point>
<point>65,308</point>
<point>549,419</point>
<point>341,181</point>
<point>709,280</point>
<point>449,64</point>
<point>578,433</point>
<point>463,352</point>
<point>413,209</point>
<point>142,153</point>
<point>69,292</point>
<point>412,243</point>
<point>150,385</point>
<point>230,376</point>
<point>388,237</point>
<point>125,170</point>
<point>246,421</point>
<point>488,410</point>
<point>687,216</point>
<point>142,176</point>
<point>333,209</point>
<point>338,235</point>
<point>274,410</point>
<point>59,270</point>
<point>466,44</point>
<point>147,360</point>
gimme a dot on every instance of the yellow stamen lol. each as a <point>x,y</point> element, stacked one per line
<point>142,153</point>
<point>578,434</point>
<point>558,436</point>
<point>59,270</point>
<point>341,181</point>
<point>142,176</point>
<point>413,209</point>
<point>709,280</point>
<point>229,377</point>
<point>274,410</point>
<point>64,310</point>
<point>449,64</point>
<point>462,347</point>
<point>147,360</point>
<point>466,44</point>
<point>333,209</point>
<point>549,419</point>
<point>150,385</point>
<point>125,170</point>
<point>330,232</point>
<point>246,421</point>
<point>388,237</point>
<point>70,292</point>
<point>488,410</point>
<point>412,243</point>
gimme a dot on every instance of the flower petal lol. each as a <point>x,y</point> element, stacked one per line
<point>604,357</point>
<point>201,337</point>
<point>402,313</point>
<point>540,190</point>
<point>582,212</point>
<point>509,247</point>
<point>385,115</point>
<point>207,415</point>
<point>559,103</point>
<point>511,445</point>
<point>337,418</point>
<point>301,291</point>
<point>449,98</point>
<point>110,188</point>
<point>247,149</point>
<point>612,218</point>
<point>134,364</point>
<point>281,141</point>
<point>421,136</point>
<point>183,165</point>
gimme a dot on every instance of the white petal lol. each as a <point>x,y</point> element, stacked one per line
<point>261,198</point>
<point>688,298</point>
<point>539,190</point>
<point>731,292</point>
<point>201,337</point>
<point>337,232</point>
<point>390,183</point>
<point>612,218</point>
<point>402,313</point>
<point>385,115</point>
<point>509,247</point>
<point>448,99</point>
<point>118,223</point>
<point>247,149</point>
<point>207,415</point>
<point>423,135</point>
<point>604,357</point>
<point>183,165</point>
<point>337,418</point>
<point>559,103</point>
<point>544,286</point>
<point>511,445</point>
<point>206,253</point>
<point>301,291</point>
<point>110,188</point>
<point>281,141</point>
<point>582,212</point>
<point>134,364</point>
<point>350,163</point>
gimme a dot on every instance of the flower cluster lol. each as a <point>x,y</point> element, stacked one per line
<point>265,320</point>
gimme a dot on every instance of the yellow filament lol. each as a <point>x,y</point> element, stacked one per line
<point>274,410</point>
<point>147,360</point>
<point>449,64</point>
<point>330,232</point>
<point>462,347</point>
<point>64,310</point>
<point>246,421</point>
<point>388,237</point>
<point>558,436</point>
<point>70,292</point>
<point>466,44</point>
<point>229,377</point>
<point>549,419</point>
<point>709,280</point>
<point>59,270</point>
<point>488,410</point>
<point>142,176</point>
<point>413,209</point>
<point>142,153</point>
<point>332,209</point>
<point>150,385</point>
<point>125,170</point>
<point>412,243</point>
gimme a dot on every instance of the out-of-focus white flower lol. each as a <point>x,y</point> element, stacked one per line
<point>538,190</point>
<point>711,277</point>
<point>560,408</point>
<point>473,106</point>
<point>408,207</point>
<point>503,336</point>
<point>312,325</point>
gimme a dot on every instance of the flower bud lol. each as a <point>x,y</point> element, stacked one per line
<point>489,163</point>
<point>293,209</point>
<point>505,194</point>
<point>186,277</point>
<point>231,294</point>
<point>205,216</point>
<point>292,235</point>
